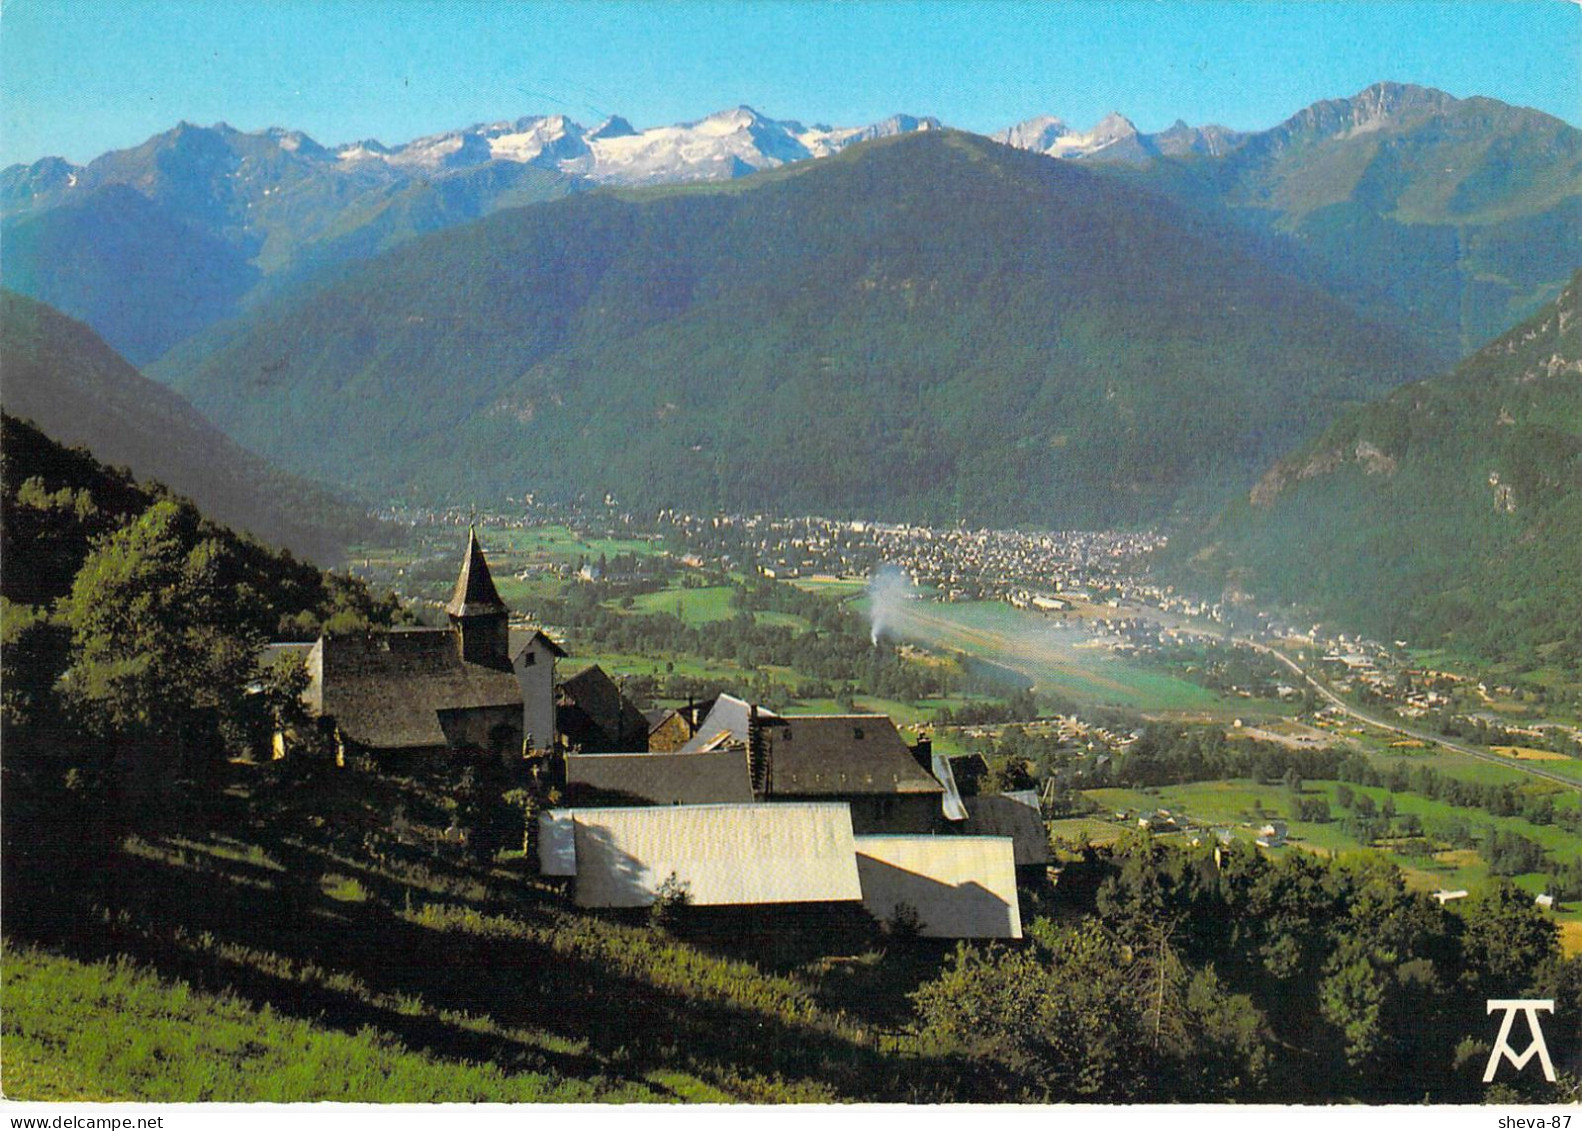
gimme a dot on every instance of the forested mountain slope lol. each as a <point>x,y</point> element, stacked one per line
<point>60,374</point>
<point>932,326</point>
<point>1450,511</point>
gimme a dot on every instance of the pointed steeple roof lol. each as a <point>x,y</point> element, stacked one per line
<point>475,593</point>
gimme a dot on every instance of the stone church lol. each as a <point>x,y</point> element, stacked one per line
<point>420,692</point>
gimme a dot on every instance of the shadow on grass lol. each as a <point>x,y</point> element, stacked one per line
<point>227,924</point>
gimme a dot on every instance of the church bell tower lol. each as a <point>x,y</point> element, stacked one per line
<point>480,619</point>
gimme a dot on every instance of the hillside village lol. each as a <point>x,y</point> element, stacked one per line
<point>717,804</point>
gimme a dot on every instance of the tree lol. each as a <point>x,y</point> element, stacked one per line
<point>34,654</point>
<point>1080,1015</point>
<point>164,633</point>
<point>1505,941</point>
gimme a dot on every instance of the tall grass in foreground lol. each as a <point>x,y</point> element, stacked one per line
<point>113,1031</point>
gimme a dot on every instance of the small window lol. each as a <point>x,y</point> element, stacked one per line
<point>856,732</point>
<point>529,659</point>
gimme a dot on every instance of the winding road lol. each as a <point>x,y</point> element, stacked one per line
<point>1421,736</point>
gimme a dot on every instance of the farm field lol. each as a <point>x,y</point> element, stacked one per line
<point>691,606</point>
<point>699,605</point>
<point>556,543</point>
<point>1085,830</point>
<point>840,588</point>
<point>1528,754</point>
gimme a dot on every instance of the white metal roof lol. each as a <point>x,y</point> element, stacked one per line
<point>962,887</point>
<point>557,851</point>
<point>733,854</point>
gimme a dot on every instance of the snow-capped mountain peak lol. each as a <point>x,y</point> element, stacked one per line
<point>725,144</point>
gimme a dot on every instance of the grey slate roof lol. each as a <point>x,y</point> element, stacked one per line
<point>1004,815</point>
<point>521,637</point>
<point>841,755</point>
<point>660,779</point>
<point>594,715</point>
<point>386,690</point>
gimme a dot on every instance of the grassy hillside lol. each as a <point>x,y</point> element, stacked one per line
<point>285,943</point>
<point>172,1044</point>
<point>932,326</point>
<point>1449,513</point>
<point>61,375</point>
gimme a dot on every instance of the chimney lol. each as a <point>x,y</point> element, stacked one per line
<point>758,754</point>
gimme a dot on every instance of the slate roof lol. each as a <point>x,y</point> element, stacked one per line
<point>1010,816</point>
<point>968,770</point>
<point>960,887</point>
<point>842,755</point>
<point>801,852</point>
<point>595,715</point>
<point>729,715</point>
<point>386,690</point>
<point>660,779</point>
<point>475,593</point>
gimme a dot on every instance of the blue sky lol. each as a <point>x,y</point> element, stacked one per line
<point>79,77</point>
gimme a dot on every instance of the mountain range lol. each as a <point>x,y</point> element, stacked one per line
<point>745,312</point>
<point>1452,218</point>
<point>60,375</point>
<point>1448,512</point>
<point>930,325</point>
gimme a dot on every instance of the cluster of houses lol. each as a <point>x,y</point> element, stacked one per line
<point>725,803</point>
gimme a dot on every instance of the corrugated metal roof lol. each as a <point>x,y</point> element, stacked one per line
<point>724,854</point>
<point>1010,815</point>
<point>557,845</point>
<point>659,779</point>
<point>961,887</point>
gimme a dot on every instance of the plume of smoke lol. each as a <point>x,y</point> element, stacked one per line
<point>1014,648</point>
<point>889,590</point>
